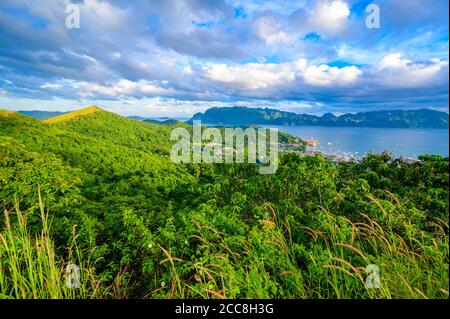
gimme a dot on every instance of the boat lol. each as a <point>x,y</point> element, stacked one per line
<point>312,142</point>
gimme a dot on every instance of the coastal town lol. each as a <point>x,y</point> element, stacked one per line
<point>309,147</point>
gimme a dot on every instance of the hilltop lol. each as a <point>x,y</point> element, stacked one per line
<point>6,113</point>
<point>423,118</point>
<point>71,115</point>
<point>107,127</point>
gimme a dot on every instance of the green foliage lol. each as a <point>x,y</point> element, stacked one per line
<point>30,268</point>
<point>144,227</point>
<point>23,172</point>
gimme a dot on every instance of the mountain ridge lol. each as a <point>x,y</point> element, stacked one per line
<point>41,115</point>
<point>238,115</point>
<point>74,114</point>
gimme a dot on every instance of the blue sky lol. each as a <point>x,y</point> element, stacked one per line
<point>178,57</point>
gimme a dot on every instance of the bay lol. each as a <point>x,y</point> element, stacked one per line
<point>357,141</point>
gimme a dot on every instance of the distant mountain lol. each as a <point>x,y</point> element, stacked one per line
<point>41,114</point>
<point>423,118</point>
<point>164,122</point>
<point>137,118</point>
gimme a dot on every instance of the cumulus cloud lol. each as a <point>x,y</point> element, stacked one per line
<point>252,76</point>
<point>325,75</point>
<point>395,71</point>
<point>123,87</point>
<point>269,30</point>
<point>255,76</point>
<point>330,16</point>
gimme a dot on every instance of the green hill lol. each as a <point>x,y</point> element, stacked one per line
<point>5,113</point>
<point>112,128</point>
<point>140,226</point>
<point>74,114</point>
<point>103,145</point>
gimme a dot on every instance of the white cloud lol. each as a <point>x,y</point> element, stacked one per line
<point>51,86</point>
<point>395,71</point>
<point>393,60</point>
<point>102,14</point>
<point>123,87</point>
<point>188,70</point>
<point>252,76</point>
<point>256,76</point>
<point>269,30</point>
<point>324,75</point>
<point>330,16</point>
<point>116,56</point>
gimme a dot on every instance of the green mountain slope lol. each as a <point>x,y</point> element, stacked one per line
<point>140,226</point>
<point>112,128</point>
<point>103,145</point>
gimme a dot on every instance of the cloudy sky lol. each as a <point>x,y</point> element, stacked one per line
<point>178,57</point>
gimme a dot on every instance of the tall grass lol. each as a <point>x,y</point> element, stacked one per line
<point>335,253</point>
<point>29,266</point>
<point>278,258</point>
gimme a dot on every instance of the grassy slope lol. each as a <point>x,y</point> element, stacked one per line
<point>6,113</point>
<point>72,115</point>
<point>87,126</point>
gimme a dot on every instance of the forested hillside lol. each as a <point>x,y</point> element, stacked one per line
<point>98,190</point>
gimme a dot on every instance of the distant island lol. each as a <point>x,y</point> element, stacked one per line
<point>423,118</point>
<point>235,116</point>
